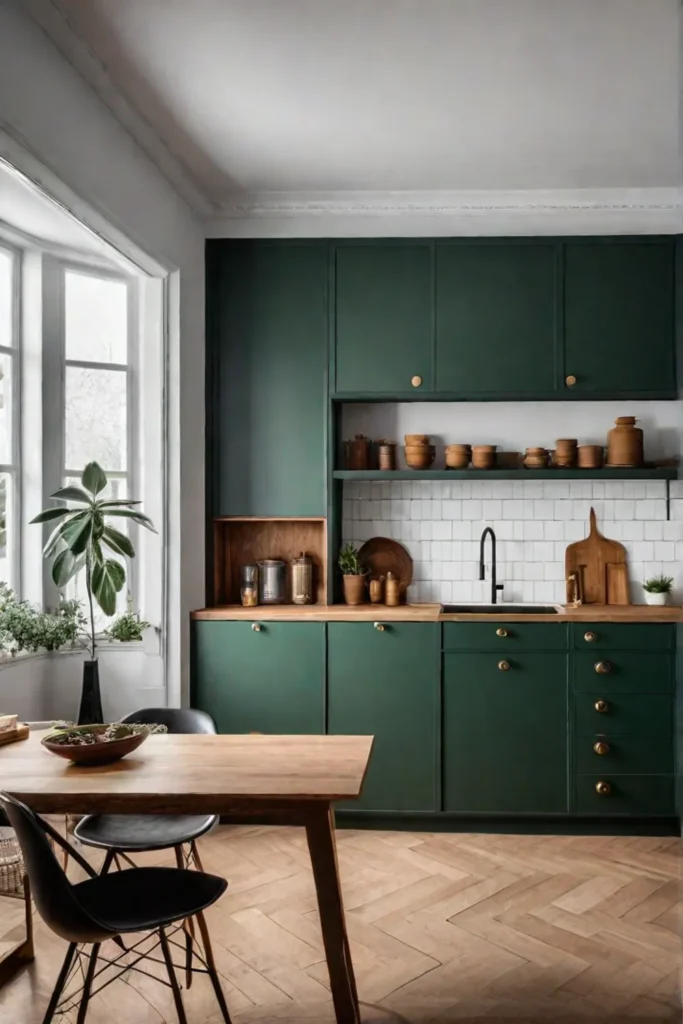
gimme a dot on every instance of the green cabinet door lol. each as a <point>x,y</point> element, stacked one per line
<point>495,318</point>
<point>619,316</point>
<point>383,313</point>
<point>505,733</point>
<point>386,683</point>
<point>269,389</point>
<point>268,680</point>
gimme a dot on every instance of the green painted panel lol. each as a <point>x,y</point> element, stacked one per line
<point>271,681</point>
<point>619,315</point>
<point>518,636</point>
<point>631,636</point>
<point>495,318</point>
<point>624,713</point>
<point>505,733</point>
<point>642,753</point>
<point>383,317</point>
<point>649,795</point>
<point>629,672</point>
<point>272,366</point>
<point>387,684</point>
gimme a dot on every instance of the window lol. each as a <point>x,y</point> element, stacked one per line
<point>9,435</point>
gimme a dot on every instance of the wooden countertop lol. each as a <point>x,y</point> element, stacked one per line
<point>433,613</point>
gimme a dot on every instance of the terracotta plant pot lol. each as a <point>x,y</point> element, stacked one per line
<point>354,589</point>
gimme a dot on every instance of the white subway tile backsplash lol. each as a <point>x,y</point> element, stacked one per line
<point>664,550</point>
<point>634,530</point>
<point>624,508</point>
<point>533,530</point>
<point>471,509</point>
<point>492,508</point>
<point>563,508</point>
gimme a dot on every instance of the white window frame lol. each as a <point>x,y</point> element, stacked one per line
<point>13,469</point>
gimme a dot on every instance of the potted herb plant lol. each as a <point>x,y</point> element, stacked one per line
<point>354,575</point>
<point>84,539</point>
<point>657,589</point>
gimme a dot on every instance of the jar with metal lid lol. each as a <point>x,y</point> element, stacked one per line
<point>249,585</point>
<point>302,579</point>
<point>271,583</point>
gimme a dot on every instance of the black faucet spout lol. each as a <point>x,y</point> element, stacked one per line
<point>495,587</point>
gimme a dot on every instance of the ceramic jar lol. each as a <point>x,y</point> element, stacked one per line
<point>625,443</point>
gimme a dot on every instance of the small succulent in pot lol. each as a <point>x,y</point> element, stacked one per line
<point>657,589</point>
<point>353,573</point>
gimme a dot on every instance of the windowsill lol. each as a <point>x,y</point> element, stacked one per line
<point>103,646</point>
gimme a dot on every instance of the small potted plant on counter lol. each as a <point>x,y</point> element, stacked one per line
<point>657,589</point>
<point>354,575</point>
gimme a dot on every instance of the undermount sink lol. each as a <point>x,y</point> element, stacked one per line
<point>501,609</point>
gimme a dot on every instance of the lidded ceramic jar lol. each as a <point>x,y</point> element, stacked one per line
<point>625,443</point>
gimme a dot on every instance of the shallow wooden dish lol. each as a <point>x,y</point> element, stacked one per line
<point>96,753</point>
<point>381,555</point>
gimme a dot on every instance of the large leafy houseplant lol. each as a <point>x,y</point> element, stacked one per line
<point>85,538</point>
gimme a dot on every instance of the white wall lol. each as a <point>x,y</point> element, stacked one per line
<point>47,107</point>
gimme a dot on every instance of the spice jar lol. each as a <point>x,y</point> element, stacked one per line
<point>392,590</point>
<point>358,452</point>
<point>386,454</point>
<point>302,579</point>
<point>249,585</point>
<point>271,581</point>
<point>625,443</point>
<point>375,587</point>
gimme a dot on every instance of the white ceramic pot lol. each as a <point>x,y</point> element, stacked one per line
<point>656,599</point>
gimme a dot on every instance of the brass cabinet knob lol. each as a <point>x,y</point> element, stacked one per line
<point>603,788</point>
<point>416,381</point>
<point>603,668</point>
<point>601,748</point>
<point>601,706</point>
<point>504,666</point>
<point>570,381</point>
<point>256,626</point>
<point>379,627</point>
<point>501,632</point>
<point>590,637</point>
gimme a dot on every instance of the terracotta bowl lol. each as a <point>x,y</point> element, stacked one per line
<point>457,459</point>
<point>419,456</point>
<point>416,439</point>
<point>105,752</point>
<point>483,456</point>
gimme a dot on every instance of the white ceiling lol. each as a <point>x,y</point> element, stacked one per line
<point>301,96</point>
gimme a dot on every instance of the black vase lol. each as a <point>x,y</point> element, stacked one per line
<point>90,712</point>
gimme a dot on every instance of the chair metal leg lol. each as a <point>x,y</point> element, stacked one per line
<point>188,926</point>
<point>87,984</point>
<point>210,963</point>
<point>196,857</point>
<point>175,988</point>
<point>60,983</point>
<point>109,857</point>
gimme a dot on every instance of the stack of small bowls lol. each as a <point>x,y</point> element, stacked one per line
<point>536,458</point>
<point>565,452</point>
<point>419,453</point>
<point>458,456</point>
<point>484,456</point>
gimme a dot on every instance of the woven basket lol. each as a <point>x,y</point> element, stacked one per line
<point>11,868</point>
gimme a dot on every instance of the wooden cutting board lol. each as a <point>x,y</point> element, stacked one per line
<point>589,559</point>
<point>20,733</point>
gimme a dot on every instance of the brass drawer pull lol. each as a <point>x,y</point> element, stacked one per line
<point>570,381</point>
<point>416,381</point>
<point>501,632</point>
<point>590,637</point>
<point>603,668</point>
<point>603,788</point>
<point>256,626</point>
<point>601,748</point>
<point>601,706</point>
<point>379,627</point>
<point>504,666</point>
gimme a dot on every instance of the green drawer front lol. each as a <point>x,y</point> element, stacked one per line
<point>627,672</point>
<point>625,713</point>
<point>648,753</point>
<point>516,636</point>
<point>646,795</point>
<point>622,636</point>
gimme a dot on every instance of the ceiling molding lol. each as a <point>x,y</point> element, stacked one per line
<point>87,64</point>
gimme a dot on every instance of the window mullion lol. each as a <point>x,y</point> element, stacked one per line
<point>53,395</point>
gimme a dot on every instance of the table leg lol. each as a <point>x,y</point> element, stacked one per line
<point>323,850</point>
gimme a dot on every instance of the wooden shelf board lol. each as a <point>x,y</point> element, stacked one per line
<point>611,473</point>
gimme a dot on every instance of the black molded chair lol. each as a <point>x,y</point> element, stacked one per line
<point>107,907</point>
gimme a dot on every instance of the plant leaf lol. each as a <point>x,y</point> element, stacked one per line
<point>72,493</point>
<point>118,542</point>
<point>56,535</point>
<point>117,501</point>
<point>65,567</point>
<point>48,514</point>
<point>107,579</point>
<point>93,478</point>
<point>77,534</point>
<point>137,517</point>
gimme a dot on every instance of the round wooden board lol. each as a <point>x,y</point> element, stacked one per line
<point>381,555</point>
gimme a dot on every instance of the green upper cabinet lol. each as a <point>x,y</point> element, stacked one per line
<point>268,381</point>
<point>619,317</point>
<point>383,315</point>
<point>385,682</point>
<point>270,679</point>
<point>496,318</point>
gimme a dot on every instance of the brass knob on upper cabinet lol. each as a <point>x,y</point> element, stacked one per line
<point>379,627</point>
<point>603,788</point>
<point>603,668</point>
<point>590,637</point>
<point>601,706</point>
<point>601,748</point>
<point>256,627</point>
<point>501,632</point>
<point>416,381</point>
<point>570,381</point>
<point>504,666</point>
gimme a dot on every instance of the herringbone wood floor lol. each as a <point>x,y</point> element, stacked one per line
<point>443,928</point>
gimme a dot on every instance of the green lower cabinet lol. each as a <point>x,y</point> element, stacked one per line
<point>642,753</point>
<point>505,733</point>
<point>623,671</point>
<point>622,713</point>
<point>385,682</point>
<point>270,679</point>
<point>638,795</point>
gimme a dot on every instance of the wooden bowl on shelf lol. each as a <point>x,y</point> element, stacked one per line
<point>458,456</point>
<point>483,456</point>
<point>419,456</point>
<point>536,458</point>
<point>413,440</point>
<point>590,456</point>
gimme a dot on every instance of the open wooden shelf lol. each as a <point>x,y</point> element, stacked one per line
<point>243,540</point>
<point>606,473</point>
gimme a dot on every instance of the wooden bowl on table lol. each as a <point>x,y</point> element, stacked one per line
<point>419,456</point>
<point>99,751</point>
<point>483,456</point>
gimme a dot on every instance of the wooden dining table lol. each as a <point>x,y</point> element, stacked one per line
<point>284,780</point>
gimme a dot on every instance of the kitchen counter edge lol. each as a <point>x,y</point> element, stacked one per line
<point>433,613</point>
